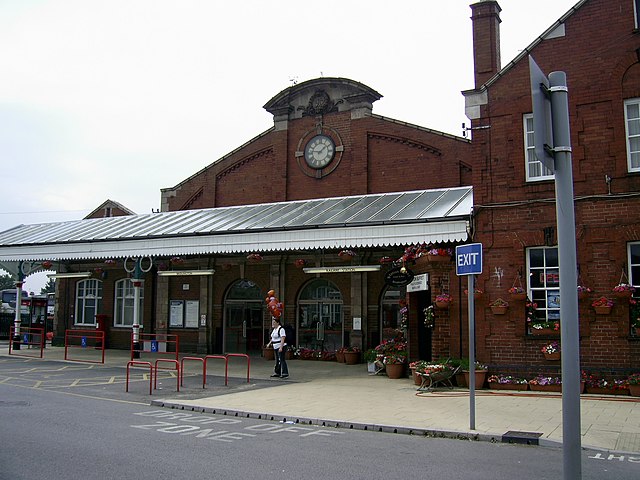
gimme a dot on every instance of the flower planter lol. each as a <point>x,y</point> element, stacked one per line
<point>544,331</point>
<point>481,375</point>
<point>442,305</point>
<point>509,386</point>
<point>602,310</point>
<point>268,353</point>
<point>351,358</point>
<point>518,296</point>
<point>545,388</point>
<point>438,258</point>
<point>607,391</point>
<point>416,378</point>
<point>394,370</point>
<point>637,331</point>
<point>499,309</point>
<point>340,357</point>
<point>634,390</point>
<point>552,356</point>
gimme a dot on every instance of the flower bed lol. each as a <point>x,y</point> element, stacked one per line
<point>507,382</point>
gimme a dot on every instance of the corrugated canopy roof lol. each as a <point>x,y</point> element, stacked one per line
<point>346,222</point>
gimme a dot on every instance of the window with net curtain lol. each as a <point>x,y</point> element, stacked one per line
<point>88,301</point>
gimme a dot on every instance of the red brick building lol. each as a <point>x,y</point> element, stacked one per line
<point>331,175</point>
<point>597,45</point>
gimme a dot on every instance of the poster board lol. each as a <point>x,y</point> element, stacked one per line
<point>176,313</point>
<point>191,314</point>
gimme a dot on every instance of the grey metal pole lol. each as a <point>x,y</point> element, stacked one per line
<point>569,328</point>
<point>472,354</point>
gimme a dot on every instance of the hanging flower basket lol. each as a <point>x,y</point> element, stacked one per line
<point>602,306</point>
<point>346,255</point>
<point>499,306</point>
<point>300,263</point>
<point>47,264</point>
<point>477,293</point>
<point>443,301</point>
<point>623,290</point>
<point>583,292</point>
<point>385,260</point>
<point>254,258</point>
<point>517,293</point>
<point>110,261</point>
<point>177,260</point>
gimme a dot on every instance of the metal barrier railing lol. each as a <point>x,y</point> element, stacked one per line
<point>145,364</point>
<point>29,337</point>
<point>90,339</point>
<point>157,344</point>
<point>204,368</point>
<point>241,355</point>
<point>167,360</point>
<point>197,359</point>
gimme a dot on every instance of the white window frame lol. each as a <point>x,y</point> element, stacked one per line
<point>634,268</point>
<point>547,296</point>
<point>633,156</point>
<point>123,303</point>
<point>91,299</point>
<point>535,171</point>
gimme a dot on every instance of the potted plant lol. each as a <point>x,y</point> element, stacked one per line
<point>370,356</point>
<point>394,356</point>
<point>299,263</point>
<point>634,384</point>
<point>583,292</point>
<point>507,382</point>
<point>543,383</point>
<point>623,290</point>
<point>417,368</point>
<point>499,306</point>
<point>602,306</point>
<point>340,355</point>
<point>351,355</point>
<point>444,300</point>
<point>551,351</point>
<point>480,372</point>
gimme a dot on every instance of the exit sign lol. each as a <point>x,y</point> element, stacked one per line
<point>469,259</point>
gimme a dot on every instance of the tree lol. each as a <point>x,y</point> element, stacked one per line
<point>6,281</point>
<point>50,287</point>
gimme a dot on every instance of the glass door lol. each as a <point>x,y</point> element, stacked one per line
<point>243,328</point>
<point>320,319</point>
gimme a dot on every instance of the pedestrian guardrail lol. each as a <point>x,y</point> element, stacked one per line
<point>134,363</point>
<point>30,337</point>
<point>177,368</point>
<point>84,340</point>
<point>156,344</point>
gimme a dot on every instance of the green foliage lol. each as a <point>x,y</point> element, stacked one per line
<point>50,287</point>
<point>6,281</point>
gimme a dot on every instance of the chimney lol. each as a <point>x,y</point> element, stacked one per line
<point>485,16</point>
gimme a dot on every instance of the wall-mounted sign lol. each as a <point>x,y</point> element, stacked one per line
<point>420,283</point>
<point>397,278</point>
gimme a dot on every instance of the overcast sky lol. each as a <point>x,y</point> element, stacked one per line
<point>117,99</point>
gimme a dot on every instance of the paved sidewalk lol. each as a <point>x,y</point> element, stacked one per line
<point>347,396</point>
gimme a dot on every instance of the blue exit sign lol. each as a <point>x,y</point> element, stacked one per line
<point>469,259</point>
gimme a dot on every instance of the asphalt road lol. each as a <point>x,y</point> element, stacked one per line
<point>56,431</point>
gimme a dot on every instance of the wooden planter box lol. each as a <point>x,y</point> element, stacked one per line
<point>499,309</point>
<point>552,356</point>
<point>604,310</point>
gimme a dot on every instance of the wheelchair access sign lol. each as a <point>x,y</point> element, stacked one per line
<point>469,259</point>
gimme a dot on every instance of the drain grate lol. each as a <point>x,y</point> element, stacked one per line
<point>526,438</point>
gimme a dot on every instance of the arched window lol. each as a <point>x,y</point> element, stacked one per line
<point>123,306</point>
<point>88,301</point>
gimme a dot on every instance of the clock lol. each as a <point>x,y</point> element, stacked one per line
<point>319,151</point>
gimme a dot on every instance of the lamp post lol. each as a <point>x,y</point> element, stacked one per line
<point>137,267</point>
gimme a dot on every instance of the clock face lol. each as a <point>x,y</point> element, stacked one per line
<point>319,151</point>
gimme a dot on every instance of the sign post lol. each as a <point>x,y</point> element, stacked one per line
<point>550,100</point>
<point>469,263</point>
